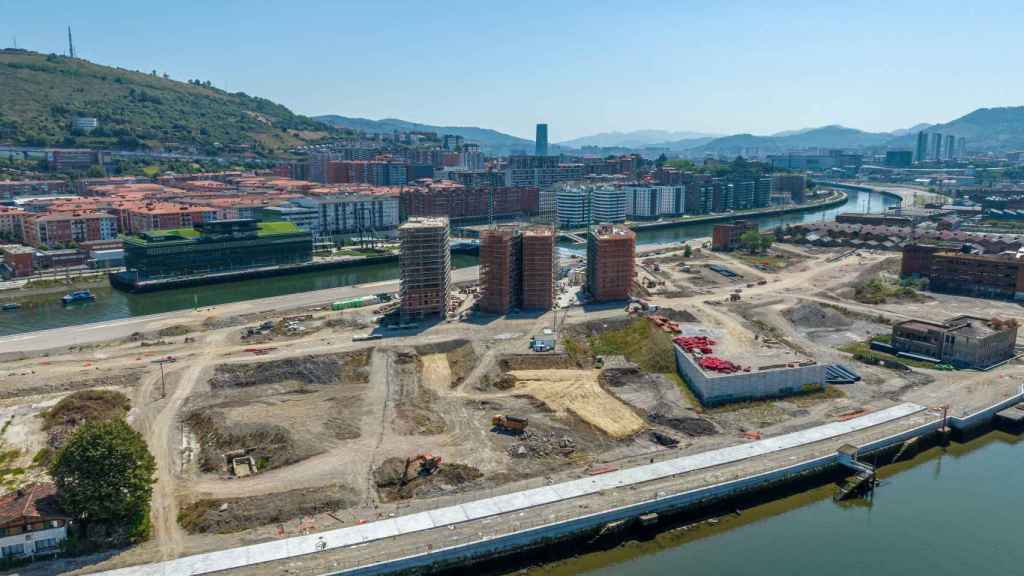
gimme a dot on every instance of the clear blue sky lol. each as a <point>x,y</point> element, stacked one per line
<point>583,67</point>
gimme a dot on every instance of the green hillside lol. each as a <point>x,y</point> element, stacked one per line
<point>41,94</point>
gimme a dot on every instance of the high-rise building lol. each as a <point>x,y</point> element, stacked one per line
<point>607,205</point>
<point>899,158</point>
<point>425,263</point>
<point>961,147</point>
<point>611,255</point>
<point>921,153</point>
<point>793,185</point>
<point>539,263</point>
<point>517,269</point>
<point>572,206</point>
<point>500,269</point>
<point>542,140</point>
<point>950,147</point>
<point>936,146</point>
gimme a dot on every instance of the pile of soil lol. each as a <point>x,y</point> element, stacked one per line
<point>542,445</point>
<point>313,370</point>
<point>227,515</point>
<point>449,477</point>
<point>689,425</point>
<point>75,409</point>
<point>813,316</point>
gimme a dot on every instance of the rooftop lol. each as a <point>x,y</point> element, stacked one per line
<point>32,501</point>
<point>425,222</point>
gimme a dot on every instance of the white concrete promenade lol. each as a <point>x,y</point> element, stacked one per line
<point>342,537</point>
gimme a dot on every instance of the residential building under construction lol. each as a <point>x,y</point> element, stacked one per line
<point>611,255</point>
<point>500,269</point>
<point>517,268</point>
<point>539,264</point>
<point>425,263</point>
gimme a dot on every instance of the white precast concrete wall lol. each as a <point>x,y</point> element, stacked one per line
<point>715,390</point>
<point>524,500</point>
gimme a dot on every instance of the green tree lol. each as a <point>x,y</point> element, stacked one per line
<point>95,171</point>
<point>104,473</point>
<point>687,251</point>
<point>754,242</point>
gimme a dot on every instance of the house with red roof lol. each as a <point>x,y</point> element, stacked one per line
<point>31,522</point>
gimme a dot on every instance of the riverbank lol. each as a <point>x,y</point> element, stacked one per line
<point>556,515</point>
<point>837,198</point>
<point>922,512</point>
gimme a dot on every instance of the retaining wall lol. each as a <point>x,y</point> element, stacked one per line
<point>716,390</point>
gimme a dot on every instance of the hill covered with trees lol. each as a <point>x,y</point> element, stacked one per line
<point>42,94</point>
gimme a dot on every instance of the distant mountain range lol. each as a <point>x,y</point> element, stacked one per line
<point>635,138</point>
<point>491,140</point>
<point>984,129</point>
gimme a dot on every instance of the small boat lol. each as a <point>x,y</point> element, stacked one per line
<point>10,306</point>
<point>78,296</point>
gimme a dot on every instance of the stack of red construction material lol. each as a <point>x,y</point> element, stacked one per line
<point>718,365</point>
<point>691,343</point>
<point>665,324</point>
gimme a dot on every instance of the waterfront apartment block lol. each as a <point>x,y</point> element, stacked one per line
<point>611,256</point>
<point>346,212</point>
<point>649,202</point>
<point>215,247</point>
<point>49,229</point>
<point>425,263</point>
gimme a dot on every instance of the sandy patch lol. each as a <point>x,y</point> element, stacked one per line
<point>578,392</point>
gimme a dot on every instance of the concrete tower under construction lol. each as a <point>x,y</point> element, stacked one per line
<point>425,263</point>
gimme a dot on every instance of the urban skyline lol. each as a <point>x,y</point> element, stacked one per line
<point>579,53</point>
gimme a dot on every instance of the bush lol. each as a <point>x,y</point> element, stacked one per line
<point>86,406</point>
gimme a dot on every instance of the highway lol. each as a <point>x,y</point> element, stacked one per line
<point>116,329</point>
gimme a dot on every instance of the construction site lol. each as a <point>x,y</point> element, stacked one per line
<point>279,424</point>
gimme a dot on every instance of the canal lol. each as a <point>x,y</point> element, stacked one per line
<point>45,311</point>
<point>948,511</point>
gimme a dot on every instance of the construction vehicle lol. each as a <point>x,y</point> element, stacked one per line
<point>428,465</point>
<point>513,424</point>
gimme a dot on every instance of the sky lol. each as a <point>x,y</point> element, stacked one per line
<point>582,67</point>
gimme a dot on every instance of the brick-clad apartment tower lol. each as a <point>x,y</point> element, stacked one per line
<point>610,262</point>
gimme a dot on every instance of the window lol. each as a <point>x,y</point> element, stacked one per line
<point>46,545</point>
<point>12,550</point>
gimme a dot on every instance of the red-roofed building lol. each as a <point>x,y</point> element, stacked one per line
<point>10,223</point>
<point>61,228</point>
<point>166,216</point>
<point>31,522</point>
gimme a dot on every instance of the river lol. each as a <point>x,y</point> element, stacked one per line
<point>46,311</point>
<point>948,511</point>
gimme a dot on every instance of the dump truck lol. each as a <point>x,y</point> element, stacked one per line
<point>510,423</point>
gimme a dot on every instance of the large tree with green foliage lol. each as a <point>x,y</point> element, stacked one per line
<point>105,473</point>
<point>754,242</point>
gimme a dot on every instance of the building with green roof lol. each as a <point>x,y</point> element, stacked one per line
<point>216,247</point>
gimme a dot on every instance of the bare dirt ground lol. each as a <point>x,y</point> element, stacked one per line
<point>340,426</point>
